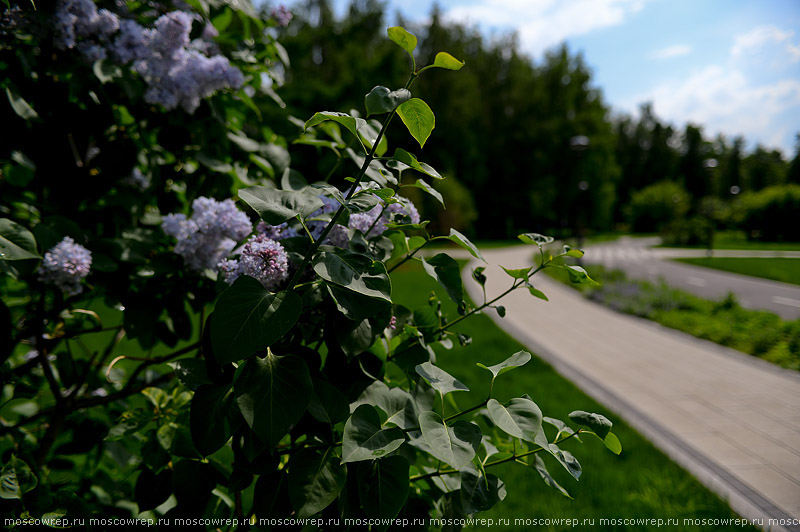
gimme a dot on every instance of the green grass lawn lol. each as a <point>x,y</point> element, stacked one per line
<point>738,240</point>
<point>641,482</point>
<point>777,269</point>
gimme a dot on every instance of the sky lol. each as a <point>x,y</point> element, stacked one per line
<point>731,66</point>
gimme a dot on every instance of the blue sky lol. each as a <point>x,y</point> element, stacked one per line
<point>732,66</point>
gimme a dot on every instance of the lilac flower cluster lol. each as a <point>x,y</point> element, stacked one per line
<point>338,235</point>
<point>261,258</point>
<point>80,19</point>
<point>282,15</point>
<point>377,217</point>
<point>65,265</point>
<point>210,234</point>
<point>277,232</point>
<point>177,71</point>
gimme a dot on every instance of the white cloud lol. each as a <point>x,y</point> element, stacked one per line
<point>675,50</point>
<point>724,100</point>
<point>763,35</point>
<point>542,24</point>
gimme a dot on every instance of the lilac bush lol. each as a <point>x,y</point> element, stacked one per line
<point>65,265</point>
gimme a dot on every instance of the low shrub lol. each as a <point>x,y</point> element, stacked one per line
<point>770,214</point>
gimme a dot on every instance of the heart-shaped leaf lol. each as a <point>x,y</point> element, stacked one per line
<point>411,161</point>
<point>439,379</point>
<point>315,480</point>
<point>405,40</point>
<point>383,486</point>
<point>272,394</point>
<point>364,439</point>
<point>480,492</point>
<point>248,318</point>
<point>352,123</point>
<point>520,418</point>
<point>353,271</point>
<point>520,358</point>
<point>455,445</point>
<point>446,270</point>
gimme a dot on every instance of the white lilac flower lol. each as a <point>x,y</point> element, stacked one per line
<point>210,234</point>
<point>373,218</point>
<point>261,258</point>
<point>65,265</point>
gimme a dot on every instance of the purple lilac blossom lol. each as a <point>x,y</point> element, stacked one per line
<point>277,232</point>
<point>282,15</point>
<point>338,235</point>
<point>65,265</point>
<point>364,220</point>
<point>210,234</point>
<point>137,179</point>
<point>261,258</point>
<point>80,19</point>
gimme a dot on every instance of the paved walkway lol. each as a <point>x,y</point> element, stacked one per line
<point>730,419</point>
<point>639,260</point>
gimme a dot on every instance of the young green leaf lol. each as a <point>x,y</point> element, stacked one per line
<point>520,418</point>
<point>539,466</point>
<point>418,118</point>
<point>404,40</point>
<point>535,238</point>
<point>411,161</point>
<point>519,273</point>
<point>445,60</point>
<point>352,123</point>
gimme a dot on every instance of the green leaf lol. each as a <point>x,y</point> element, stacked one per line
<point>535,292</point>
<point>356,306</point>
<point>519,417</point>
<point>520,273</point>
<point>578,275</point>
<point>152,489</point>
<point>328,404</point>
<point>352,123</point>
<point>396,403</point>
<point>244,142</point>
<point>405,40</point>
<point>422,185</point>
<point>480,492</point>
<point>315,480</point>
<point>276,206</point>
<point>479,276</point>
<point>191,372</point>
<point>272,394</point>
<point>446,270</point>
<point>353,271</point>
<point>566,459</point>
<point>445,60</point>
<point>271,495</point>
<point>575,253</point>
<point>411,161</point>
<point>465,243</point>
<point>439,379</point>
<point>362,202</point>
<point>20,106</point>
<point>418,118</point>
<point>535,238</point>
<point>364,439</point>
<point>248,318</point>
<point>16,242</point>
<point>598,423</point>
<point>612,443</point>
<point>383,486</point>
<point>382,100</point>
<point>106,71</point>
<point>520,358</point>
<point>213,417</point>
<point>539,466</point>
<point>16,479</point>
<point>455,445</point>
<point>129,423</point>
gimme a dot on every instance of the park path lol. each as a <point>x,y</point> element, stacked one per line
<point>639,260</point>
<point>730,419</point>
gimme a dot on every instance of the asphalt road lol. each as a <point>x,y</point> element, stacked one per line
<point>638,259</point>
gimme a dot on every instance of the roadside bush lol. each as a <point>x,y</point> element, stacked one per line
<point>190,329</point>
<point>657,205</point>
<point>770,214</point>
